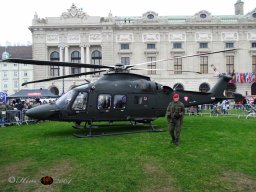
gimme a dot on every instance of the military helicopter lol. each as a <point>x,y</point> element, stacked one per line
<point>117,96</point>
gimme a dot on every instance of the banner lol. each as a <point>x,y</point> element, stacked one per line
<point>3,97</point>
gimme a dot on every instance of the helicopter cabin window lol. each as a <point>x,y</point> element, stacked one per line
<point>151,46</point>
<point>138,100</point>
<point>104,101</point>
<point>119,101</point>
<point>80,101</point>
<point>124,45</point>
<point>65,99</point>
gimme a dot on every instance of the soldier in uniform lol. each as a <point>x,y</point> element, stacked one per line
<point>175,113</point>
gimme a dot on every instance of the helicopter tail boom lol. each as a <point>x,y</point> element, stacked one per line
<point>216,94</point>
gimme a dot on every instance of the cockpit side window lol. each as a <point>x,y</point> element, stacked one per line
<point>119,101</point>
<point>80,102</point>
<point>104,101</point>
<point>65,99</point>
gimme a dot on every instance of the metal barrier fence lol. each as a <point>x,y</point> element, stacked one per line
<point>236,110</point>
<point>11,117</point>
<point>17,117</point>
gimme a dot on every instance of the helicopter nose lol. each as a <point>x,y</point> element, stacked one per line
<point>42,112</point>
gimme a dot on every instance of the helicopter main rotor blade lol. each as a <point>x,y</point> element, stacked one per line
<point>181,57</point>
<point>148,69</point>
<point>164,70</point>
<point>57,63</point>
<point>63,77</point>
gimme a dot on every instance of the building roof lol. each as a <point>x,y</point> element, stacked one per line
<point>77,17</point>
<point>32,93</point>
<point>24,52</point>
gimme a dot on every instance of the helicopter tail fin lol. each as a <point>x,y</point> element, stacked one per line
<point>218,90</point>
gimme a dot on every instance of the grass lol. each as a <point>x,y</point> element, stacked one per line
<point>216,154</point>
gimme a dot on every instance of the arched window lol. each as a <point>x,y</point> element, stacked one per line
<point>96,58</point>
<point>204,87</point>
<point>75,58</point>
<point>231,88</point>
<point>253,89</point>
<point>178,86</point>
<point>54,70</point>
<point>54,90</point>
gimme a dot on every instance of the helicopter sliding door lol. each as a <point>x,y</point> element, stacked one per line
<point>143,106</point>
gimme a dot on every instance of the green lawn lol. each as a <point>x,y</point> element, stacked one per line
<point>216,154</point>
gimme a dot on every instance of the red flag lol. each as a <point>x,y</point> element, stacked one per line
<point>241,78</point>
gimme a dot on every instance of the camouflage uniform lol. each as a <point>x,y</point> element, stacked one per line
<point>175,113</point>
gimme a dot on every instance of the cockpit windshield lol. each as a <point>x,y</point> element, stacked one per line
<point>65,99</point>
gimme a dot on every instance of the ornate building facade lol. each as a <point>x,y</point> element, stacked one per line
<point>75,36</point>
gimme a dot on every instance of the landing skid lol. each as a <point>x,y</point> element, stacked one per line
<point>121,129</point>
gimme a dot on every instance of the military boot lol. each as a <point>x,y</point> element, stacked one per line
<point>177,142</point>
<point>173,140</point>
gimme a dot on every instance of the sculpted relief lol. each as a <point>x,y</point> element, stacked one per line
<point>125,37</point>
<point>151,37</point>
<point>73,38</point>
<point>177,36</point>
<point>203,36</point>
<point>229,36</point>
<point>52,38</point>
<point>251,36</point>
<point>95,38</point>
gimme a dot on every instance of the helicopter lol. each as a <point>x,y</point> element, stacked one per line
<point>118,95</point>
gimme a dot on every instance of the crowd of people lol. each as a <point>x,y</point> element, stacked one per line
<point>17,105</point>
<point>221,107</point>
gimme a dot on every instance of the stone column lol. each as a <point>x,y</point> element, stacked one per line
<point>82,58</point>
<point>67,69</point>
<point>88,58</point>
<point>61,60</point>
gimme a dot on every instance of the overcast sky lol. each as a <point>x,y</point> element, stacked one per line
<point>16,15</point>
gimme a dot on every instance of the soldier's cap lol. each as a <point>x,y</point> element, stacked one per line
<point>175,95</point>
